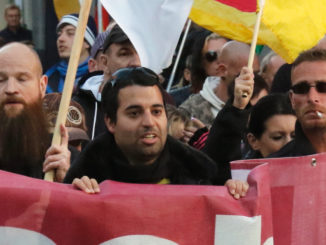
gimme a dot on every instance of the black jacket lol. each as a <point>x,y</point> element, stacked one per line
<point>300,146</point>
<point>178,163</point>
<point>223,143</point>
<point>91,106</point>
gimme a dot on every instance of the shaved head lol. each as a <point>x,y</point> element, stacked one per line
<point>21,77</point>
<point>234,55</point>
<point>17,51</point>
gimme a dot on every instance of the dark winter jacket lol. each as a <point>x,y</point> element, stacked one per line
<point>88,97</point>
<point>178,163</point>
<point>223,143</point>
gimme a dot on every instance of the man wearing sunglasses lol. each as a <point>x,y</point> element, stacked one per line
<point>308,98</point>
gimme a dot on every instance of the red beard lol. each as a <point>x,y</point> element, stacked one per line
<point>24,139</point>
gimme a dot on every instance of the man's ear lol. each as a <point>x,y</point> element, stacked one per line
<point>221,70</point>
<point>104,59</point>
<point>43,84</point>
<point>253,142</point>
<point>92,65</point>
<point>109,125</point>
<point>291,99</point>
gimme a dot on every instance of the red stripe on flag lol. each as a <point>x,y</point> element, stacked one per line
<point>242,5</point>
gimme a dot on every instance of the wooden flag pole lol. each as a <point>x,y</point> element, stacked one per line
<point>70,77</point>
<point>254,39</point>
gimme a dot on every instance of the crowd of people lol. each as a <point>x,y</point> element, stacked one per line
<point>123,125</point>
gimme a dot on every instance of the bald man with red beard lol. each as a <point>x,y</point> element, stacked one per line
<point>24,131</point>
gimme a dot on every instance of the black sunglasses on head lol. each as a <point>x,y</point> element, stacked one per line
<point>128,72</point>
<point>304,87</point>
<point>211,55</point>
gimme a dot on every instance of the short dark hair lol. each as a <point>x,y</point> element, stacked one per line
<point>123,78</point>
<point>310,55</point>
<point>116,35</point>
<point>267,107</point>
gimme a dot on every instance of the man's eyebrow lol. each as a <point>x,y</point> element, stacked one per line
<point>158,105</point>
<point>21,73</point>
<point>133,107</point>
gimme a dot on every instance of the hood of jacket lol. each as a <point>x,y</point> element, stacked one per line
<point>208,94</point>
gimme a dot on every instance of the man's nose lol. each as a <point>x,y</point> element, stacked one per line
<point>134,61</point>
<point>61,37</point>
<point>148,119</point>
<point>11,86</point>
<point>313,95</point>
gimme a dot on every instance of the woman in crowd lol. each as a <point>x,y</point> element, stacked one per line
<point>204,58</point>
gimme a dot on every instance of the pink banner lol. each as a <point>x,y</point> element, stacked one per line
<point>37,212</point>
<point>298,186</point>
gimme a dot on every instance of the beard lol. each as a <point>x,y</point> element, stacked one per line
<point>24,139</point>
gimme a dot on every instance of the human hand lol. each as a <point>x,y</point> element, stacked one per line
<point>237,188</point>
<point>86,184</point>
<point>191,128</point>
<point>244,85</point>
<point>58,157</point>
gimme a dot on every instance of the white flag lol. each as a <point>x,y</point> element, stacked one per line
<point>153,27</point>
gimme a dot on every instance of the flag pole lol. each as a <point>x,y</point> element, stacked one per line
<point>178,56</point>
<point>70,77</point>
<point>99,16</point>
<point>254,40</point>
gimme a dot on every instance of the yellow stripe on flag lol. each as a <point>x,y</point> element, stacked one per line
<point>288,27</point>
<point>63,7</point>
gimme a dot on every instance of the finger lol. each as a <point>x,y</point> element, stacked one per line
<point>64,135</point>
<point>245,70</point>
<point>230,184</point>
<point>191,129</point>
<point>60,164</point>
<point>87,182</point>
<point>238,188</point>
<point>95,186</point>
<point>53,149</point>
<point>79,184</point>
<point>188,134</point>
<point>196,122</point>
<point>245,188</point>
<point>57,156</point>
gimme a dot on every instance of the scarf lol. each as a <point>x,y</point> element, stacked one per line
<point>61,68</point>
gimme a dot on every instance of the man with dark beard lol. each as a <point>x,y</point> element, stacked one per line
<point>24,135</point>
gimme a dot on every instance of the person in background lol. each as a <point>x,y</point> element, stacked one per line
<point>94,62</point>
<point>210,100</point>
<point>14,31</point>
<point>66,33</point>
<point>269,66</point>
<point>117,52</point>
<point>75,122</point>
<point>204,61</point>
<point>178,119</point>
